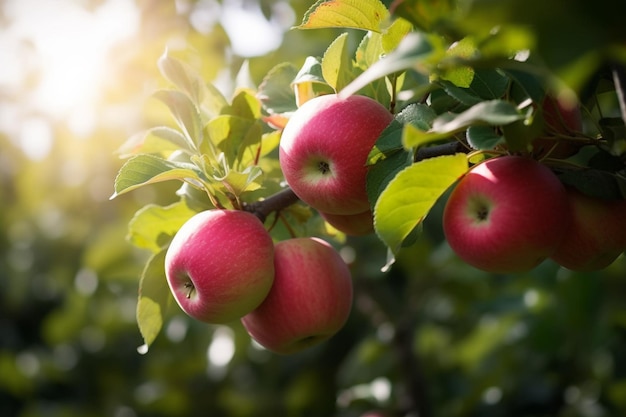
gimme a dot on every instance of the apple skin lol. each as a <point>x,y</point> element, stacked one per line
<point>324,147</point>
<point>506,215</point>
<point>310,300</point>
<point>220,265</point>
<point>360,224</point>
<point>597,235</point>
<point>559,118</point>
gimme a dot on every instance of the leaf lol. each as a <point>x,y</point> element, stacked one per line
<point>153,226</point>
<point>493,112</point>
<point>390,140</point>
<point>460,75</point>
<point>245,105</point>
<point>355,14</point>
<point>392,37</point>
<point>595,183</point>
<point>275,91</point>
<point>233,135</point>
<point>411,194</point>
<point>203,95</point>
<point>425,14</point>
<point>147,169</point>
<point>369,51</point>
<point>336,63</point>
<point>154,298</point>
<point>413,52</point>
<point>486,84</point>
<point>160,140</point>
<point>309,81</point>
<point>483,137</point>
<point>238,182</point>
<point>185,114</point>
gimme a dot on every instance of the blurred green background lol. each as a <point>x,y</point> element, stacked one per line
<point>431,337</point>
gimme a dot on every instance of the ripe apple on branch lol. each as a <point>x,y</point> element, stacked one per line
<point>366,140</point>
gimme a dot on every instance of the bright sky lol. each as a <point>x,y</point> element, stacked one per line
<point>59,50</point>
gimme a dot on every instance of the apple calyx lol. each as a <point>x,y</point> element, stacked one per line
<point>190,287</point>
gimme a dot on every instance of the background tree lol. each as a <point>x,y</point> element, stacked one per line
<point>429,336</point>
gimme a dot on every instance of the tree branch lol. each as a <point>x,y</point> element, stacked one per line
<point>448,148</point>
<point>275,202</point>
<point>287,197</point>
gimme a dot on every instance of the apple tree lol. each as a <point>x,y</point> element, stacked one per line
<point>453,260</point>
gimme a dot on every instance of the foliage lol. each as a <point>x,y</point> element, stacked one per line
<point>430,335</point>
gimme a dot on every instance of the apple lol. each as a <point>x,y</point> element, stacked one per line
<point>506,215</point>
<point>597,235</point>
<point>560,117</point>
<point>359,224</point>
<point>324,147</point>
<point>310,299</point>
<point>220,265</point>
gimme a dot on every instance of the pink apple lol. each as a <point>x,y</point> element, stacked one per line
<point>359,224</point>
<point>310,300</point>
<point>507,214</point>
<point>597,235</point>
<point>220,265</point>
<point>324,148</point>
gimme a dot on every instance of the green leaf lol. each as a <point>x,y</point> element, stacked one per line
<point>202,94</point>
<point>147,169</point>
<point>238,182</point>
<point>245,105</point>
<point>460,75</point>
<point>426,14</point>
<point>153,226</point>
<point>413,52</point>
<point>185,114</point>
<point>154,298</point>
<point>412,193</point>
<point>355,14</point>
<point>275,91</point>
<point>369,51</point>
<point>486,84</point>
<point>392,37</point>
<point>234,136</point>
<point>336,63</point>
<point>309,82</point>
<point>493,112</point>
<point>384,171</point>
<point>483,137</point>
<point>160,140</point>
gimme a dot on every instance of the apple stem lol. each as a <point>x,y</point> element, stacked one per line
<point>276,202</point>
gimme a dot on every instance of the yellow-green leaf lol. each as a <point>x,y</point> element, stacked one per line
<point>153,226</point>
<point>336,64</point>
<point>356,14</point>
<point>147,169</point>
<point>411,194</point>
<point>395,33</point>
<point>154,298</point>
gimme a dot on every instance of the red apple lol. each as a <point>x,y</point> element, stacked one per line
<point>359,224</point>
<point>220,265</point>
<point>324,147</point>
<point>506,214</point>
<point>310,300</point>
<point>597,235</point>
